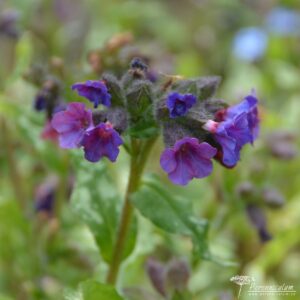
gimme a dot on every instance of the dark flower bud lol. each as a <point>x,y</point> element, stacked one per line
<point>137,71</point>
<point>8,23</point>
<point>156,272</point>
<point>258,220</point>
<point>245,190</point>
<point>45,195</point>
<point>137,63</point>
<point>178,274</point>
<point>282,145</point>
<point>40,101</point>
<point>48,97</point>
<point>273,198</point>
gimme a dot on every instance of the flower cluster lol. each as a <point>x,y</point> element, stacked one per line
<point>76,127</point>
<point>226,131</point>
<point>196,127</point>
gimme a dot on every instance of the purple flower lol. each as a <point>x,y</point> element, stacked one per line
<point>239,125</point>
<point>72,124</point>
<point>248,106</point>
<point>101,141</point>
<point>231,135</point>
<point>179,104</point>
<point>49,133</point>
<point>94,90</point>
<point>40,102</point>
<point>188,159</point>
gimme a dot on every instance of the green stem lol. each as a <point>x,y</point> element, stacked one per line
<point>138,161</point>
<point>15,177</point>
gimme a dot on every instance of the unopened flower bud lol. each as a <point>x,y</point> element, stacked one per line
<point>273,197</point>
<point>245,189</point>
<point>178,274</point>
<point>258,220</point>
<point>282,145</point>
<point>156,272</point>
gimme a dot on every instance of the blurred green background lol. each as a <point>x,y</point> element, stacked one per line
<point>249,43</point>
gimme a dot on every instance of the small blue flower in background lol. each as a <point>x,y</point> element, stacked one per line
<point>250,43</point>
<point>94,90</point>
<point>187,159</point>
<point>101,141</point>
<point>283,21</point>
<point>179,104</point>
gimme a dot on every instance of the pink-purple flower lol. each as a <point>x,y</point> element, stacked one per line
<point>237,126</point>
<point>179,104</point>
<point>187,159</point>
<point>72,124</point>
<point>94,90</point>
<point>101,141</point>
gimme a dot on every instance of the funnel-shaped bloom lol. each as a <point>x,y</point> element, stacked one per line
<point>101,141</point>
<point>72,124</point>
<point>94,90</point>
<point>239,125</point>
<point>188,159</point>
<point>179,104</point>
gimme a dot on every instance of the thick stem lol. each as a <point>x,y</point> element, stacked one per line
<point>138,160</point>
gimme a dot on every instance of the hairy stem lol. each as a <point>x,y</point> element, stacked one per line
<point>138,161</point>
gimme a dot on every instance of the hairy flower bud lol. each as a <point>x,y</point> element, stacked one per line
<point>178,274</point>
<point>156,272</point>
<point>258,220</point>
<point>273,198</point>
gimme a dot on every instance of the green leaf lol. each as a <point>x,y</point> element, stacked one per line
<point>93,290</point>
<point>97,203</point>
<point>72,294</point>
<point>171,214</point>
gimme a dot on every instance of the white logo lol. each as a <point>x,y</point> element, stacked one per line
<point>255,289</point>
<point>241,281</point>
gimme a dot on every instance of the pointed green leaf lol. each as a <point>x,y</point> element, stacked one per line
<point>97,203</point>
<point>171,214</point>
<point>93,290</point>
